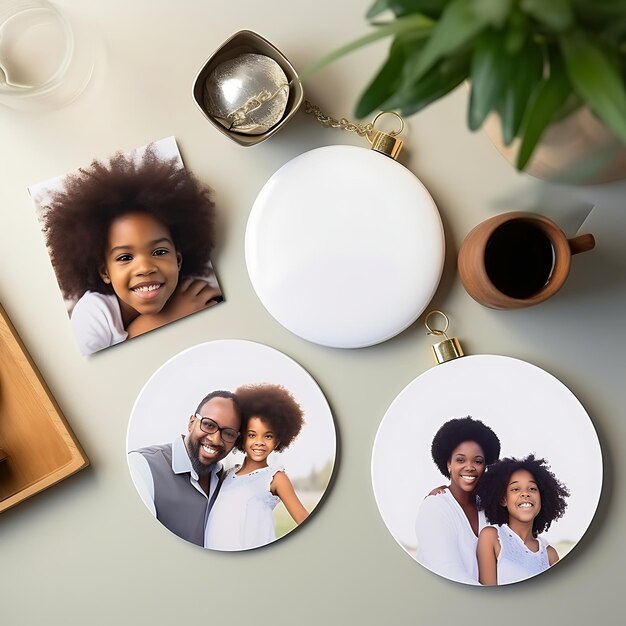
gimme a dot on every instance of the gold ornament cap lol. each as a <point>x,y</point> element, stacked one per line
<point>387,143</point>
<point>449,348</point>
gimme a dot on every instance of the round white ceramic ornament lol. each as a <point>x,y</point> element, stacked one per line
<point>344,246</point>
<point>531,413</point>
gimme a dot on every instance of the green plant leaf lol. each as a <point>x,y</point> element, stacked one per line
<point>600,7</point>
<point>460,22</point>
<point>545,103</point>
<point>596,80</point>
<point>496,11</point>
<point>615,31</point>
<point>518,29</point>
<point>556,14</point>
<point>438,81</point>
<point>489,73</point>
<point>377,8</point>
<point>389,79</point>
<point>431,8</point>
<point>525,73</point>
<point>414,23</point>
<point>384,85</point>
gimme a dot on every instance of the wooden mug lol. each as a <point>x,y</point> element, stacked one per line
<point>540,246</point>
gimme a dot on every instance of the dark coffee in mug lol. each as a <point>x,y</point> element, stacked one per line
<point>519,258</point>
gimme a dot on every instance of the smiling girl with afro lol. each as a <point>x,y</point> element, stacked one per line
<point>522,498</point>
<point>242,517</point>
<point>128,239</point>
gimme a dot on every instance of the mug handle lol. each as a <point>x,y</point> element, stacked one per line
<point>582,243</point>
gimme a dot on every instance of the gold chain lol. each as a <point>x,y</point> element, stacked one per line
<point>362,130</point>
<point>242,114</point>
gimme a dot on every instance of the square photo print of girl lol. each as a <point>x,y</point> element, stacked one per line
<point>129,239</point>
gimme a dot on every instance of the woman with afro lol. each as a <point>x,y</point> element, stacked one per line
<point>448,522</point>
<point>521,497</point>
<point>128,240</point>
<point>242,517</point>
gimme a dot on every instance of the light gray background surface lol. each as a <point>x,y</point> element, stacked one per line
<point>86,551</point>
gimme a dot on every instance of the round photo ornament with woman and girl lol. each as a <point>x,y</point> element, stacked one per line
<point>231,445</point>
<point>487,470</point>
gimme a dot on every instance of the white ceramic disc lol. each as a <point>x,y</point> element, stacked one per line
<point>344,247</point>
<point>529,410</point>
<point>243,516</point>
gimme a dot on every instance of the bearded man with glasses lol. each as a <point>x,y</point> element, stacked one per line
<point>179,482</point>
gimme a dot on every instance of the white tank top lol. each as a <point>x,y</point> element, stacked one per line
<point>515,561</point>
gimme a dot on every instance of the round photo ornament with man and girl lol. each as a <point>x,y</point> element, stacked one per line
<point>240,453</point>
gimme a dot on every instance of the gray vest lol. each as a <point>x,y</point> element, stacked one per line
<point>179,506</point>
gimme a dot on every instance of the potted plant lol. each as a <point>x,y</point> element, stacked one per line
<point>533,63</point>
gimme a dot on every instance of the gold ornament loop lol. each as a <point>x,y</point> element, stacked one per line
<point>393,133</point>
<point>436,331</point>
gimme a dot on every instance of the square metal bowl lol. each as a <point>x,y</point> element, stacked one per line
<point>242,42</point>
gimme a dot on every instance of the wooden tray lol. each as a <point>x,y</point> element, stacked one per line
<point>37,447</point>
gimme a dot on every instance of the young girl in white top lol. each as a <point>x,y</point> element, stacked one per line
<point>127,239</point>
<point>242,517</point>
<point>521,497</point>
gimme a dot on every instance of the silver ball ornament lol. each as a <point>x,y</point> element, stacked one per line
<point>247,94</point>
